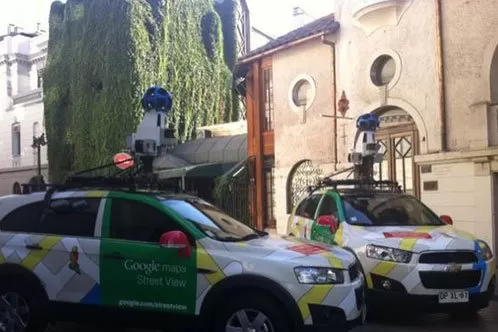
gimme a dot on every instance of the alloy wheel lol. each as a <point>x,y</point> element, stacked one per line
<point>249,320</point>
<point>14,313</point>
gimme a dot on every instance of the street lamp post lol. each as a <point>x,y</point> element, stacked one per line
<point>38,142</point>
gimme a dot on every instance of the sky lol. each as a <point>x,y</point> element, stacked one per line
<point>274,17</point>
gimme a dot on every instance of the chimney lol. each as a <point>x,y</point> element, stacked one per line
<point>299,17</point>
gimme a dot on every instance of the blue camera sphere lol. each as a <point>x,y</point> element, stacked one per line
<point>158,99</point>
<point>368,121</point>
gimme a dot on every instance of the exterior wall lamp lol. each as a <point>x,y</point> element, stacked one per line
<point>343,104</point>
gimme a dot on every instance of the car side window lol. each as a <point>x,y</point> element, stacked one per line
<point>79,220</point>
<point>300,208</point>
<point>308,206</point>
<point>328,207</point>
<point>24,219</point>
<point>137,221</point>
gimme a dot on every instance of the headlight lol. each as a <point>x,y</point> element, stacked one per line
<point>485,250</point>
<point>388,254</point>
<point>319,275</point>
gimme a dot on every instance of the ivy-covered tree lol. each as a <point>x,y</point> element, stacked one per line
<point>227,10</point>
<point>103,54</point>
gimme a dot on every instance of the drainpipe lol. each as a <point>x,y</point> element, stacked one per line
<point>441,76</point>
<point>334,94</point>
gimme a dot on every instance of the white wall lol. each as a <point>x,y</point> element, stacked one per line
<point>24,57</point>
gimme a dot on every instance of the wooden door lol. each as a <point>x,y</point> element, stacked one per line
<point>399,145</point>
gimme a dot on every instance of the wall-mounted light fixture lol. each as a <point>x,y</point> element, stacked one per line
<point>343,104</point>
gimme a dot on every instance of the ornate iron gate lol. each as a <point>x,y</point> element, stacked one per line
<point>231,192</point>
<point>302,175</point>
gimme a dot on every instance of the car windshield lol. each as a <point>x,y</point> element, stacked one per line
<point>388,210</point>
<point>211,220</point>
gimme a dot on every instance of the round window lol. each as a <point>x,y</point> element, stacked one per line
<point>301,93</point>
<point>383,70</point>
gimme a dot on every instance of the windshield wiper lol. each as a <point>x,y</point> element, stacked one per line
<point>251,236</point>
<point>247,237</point>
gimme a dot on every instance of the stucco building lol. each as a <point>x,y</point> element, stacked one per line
<point>429,68</point>
<point>22,59</point>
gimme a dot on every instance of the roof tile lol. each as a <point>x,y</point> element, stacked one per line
<point>324,24</point>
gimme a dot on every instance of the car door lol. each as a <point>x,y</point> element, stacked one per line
<point>328,207</point>
<point>59,245</point>
<point>135,270</point>
<point>301,221</point>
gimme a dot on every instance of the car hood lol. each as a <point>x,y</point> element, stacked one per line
<point>416,238</point>
<point>297,251</point>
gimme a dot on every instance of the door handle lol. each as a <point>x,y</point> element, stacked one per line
<point>35,246</point>
<point>205,271</point>
<point>114,255</point>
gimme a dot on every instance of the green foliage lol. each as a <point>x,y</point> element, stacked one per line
<point>103,54</point>
<point>227,12</point>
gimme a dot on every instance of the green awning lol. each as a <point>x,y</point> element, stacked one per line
<point>209,170</point>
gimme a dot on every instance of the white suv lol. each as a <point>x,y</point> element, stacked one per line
<point>164,260</point>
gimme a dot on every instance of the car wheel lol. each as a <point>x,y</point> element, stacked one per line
<point>22,307</point>
<point>251,312</point>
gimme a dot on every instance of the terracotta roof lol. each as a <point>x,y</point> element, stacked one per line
<point>325,24</point>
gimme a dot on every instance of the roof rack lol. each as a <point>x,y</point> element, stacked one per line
<point>128,180</point>
<point>364,185</point>
<point>126,184</point>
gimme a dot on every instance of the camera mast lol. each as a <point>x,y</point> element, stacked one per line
<point>365,152</point>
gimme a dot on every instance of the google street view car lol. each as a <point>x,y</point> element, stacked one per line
<point>92,251</point>
<point>409,255</point>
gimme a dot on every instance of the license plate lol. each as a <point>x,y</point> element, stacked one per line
<point>453,297</point>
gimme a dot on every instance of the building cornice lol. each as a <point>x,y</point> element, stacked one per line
<point>25,58</point>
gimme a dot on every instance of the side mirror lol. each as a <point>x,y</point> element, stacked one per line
<point>328,221</point>
<point>177,240</point>
<point>446,219</point>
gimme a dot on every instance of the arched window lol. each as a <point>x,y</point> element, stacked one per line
<point>16,139</point>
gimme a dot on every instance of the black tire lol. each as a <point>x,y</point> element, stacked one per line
<point>35,297</point>
<point>256,301</point>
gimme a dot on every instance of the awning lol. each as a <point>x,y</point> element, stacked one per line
<point>224,149</point>
<point>169,161</point>
<point>208,170</point>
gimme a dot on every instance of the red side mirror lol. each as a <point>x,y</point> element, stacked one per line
<point>329,221</point>
<point>178,240</point>
<point>446,219</point>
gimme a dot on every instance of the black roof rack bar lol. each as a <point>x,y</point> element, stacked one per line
<point>129,180</point>
<point>359,184</point>
<point>350,182</point>
<point>116,183</point>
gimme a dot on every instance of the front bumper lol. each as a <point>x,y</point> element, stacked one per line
<point>399,298</point>
<point>327,317</point>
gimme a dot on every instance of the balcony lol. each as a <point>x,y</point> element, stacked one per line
<point>372,14</point>
<point>30,96</point>
<point>16,161</point>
